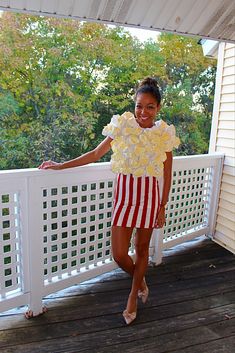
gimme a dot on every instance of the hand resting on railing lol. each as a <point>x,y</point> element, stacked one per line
<point>50,165</point>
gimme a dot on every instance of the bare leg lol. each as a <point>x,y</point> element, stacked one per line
<point>121,237</point>
<point>142,241</point>
<point>120,245</point>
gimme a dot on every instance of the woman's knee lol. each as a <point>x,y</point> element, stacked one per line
<point>119,257</point>
<point>142,250</point>
<point>120,243</point>
<point>142,242</point>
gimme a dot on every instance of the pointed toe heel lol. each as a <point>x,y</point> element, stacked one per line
<point>129,317</point>
<point>143,295</point>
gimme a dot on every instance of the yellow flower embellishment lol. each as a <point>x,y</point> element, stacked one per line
<point>144,138</point>
<point>139,172</point>
<point>111,130</point>
<point>127,115</point>
<point>131,131</point>
<point>143,160</point>
<point>150,170</point>
<point>134,139</point>
<point>138,150</point>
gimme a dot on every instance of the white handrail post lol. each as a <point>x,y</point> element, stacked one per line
<point>158,236</point>
<point>35,246</point>
<point>214,195</point>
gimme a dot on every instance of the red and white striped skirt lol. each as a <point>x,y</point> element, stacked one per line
<point>136,201</point>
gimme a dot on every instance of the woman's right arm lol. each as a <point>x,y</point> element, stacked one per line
<point>85,158</point>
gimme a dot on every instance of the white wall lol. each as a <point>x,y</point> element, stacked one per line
<point>223,140</point>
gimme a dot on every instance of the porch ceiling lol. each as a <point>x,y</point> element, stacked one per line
<point>214,19</point>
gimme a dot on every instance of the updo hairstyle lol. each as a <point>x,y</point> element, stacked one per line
<point>149,85</point>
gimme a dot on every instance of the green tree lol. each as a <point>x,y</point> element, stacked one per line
<point>51,86</point>
<point>62,80</point>
<point>188,91</point>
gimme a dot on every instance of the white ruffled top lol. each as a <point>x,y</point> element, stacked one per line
<point>136,150</point>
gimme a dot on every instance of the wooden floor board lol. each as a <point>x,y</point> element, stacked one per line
<point>191,309</point>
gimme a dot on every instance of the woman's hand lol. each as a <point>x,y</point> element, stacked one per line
<point>50,165</point>
<point>161,218</point>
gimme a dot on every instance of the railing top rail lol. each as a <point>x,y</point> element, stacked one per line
<point>209,156</point>
<point>98,166</point>
<point>36,172</point>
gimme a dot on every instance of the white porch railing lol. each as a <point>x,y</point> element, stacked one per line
<point>55,225</point>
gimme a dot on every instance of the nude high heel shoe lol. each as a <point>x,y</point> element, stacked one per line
<point>143,294</point>
<point>129,317</point>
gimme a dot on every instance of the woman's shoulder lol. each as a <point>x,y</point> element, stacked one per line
<point>161,123</point>
<point>118,123</point>
<point>164,127</point>
<point>119,119</point>
<point>168,134</point>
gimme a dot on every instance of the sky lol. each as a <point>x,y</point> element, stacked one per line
<point>142,34</point>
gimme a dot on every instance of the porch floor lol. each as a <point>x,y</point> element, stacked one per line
<point>191,309</point>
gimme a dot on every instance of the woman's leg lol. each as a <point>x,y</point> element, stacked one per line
<point>120,245</point>
<point>142,240</point>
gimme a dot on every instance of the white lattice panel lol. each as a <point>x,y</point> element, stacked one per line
<point>188,206</point>
<point>10,244</point>
<point>76,227</point>
<point>55,226</point>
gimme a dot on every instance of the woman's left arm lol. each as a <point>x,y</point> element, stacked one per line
<point>167,176</point>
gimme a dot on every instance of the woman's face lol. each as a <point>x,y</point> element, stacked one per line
<point>146,109</point>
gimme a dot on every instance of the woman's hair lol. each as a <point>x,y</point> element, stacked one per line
<point>149,85</point>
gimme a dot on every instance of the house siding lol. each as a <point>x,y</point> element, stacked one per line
<point>223,140</point>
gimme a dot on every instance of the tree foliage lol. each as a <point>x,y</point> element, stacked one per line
<point>62,80</point>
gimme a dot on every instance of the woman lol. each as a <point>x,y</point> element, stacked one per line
<point>141,155</point>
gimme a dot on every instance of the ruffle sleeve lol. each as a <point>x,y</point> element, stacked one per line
<point>169,139</point>
<point>113,128</point>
